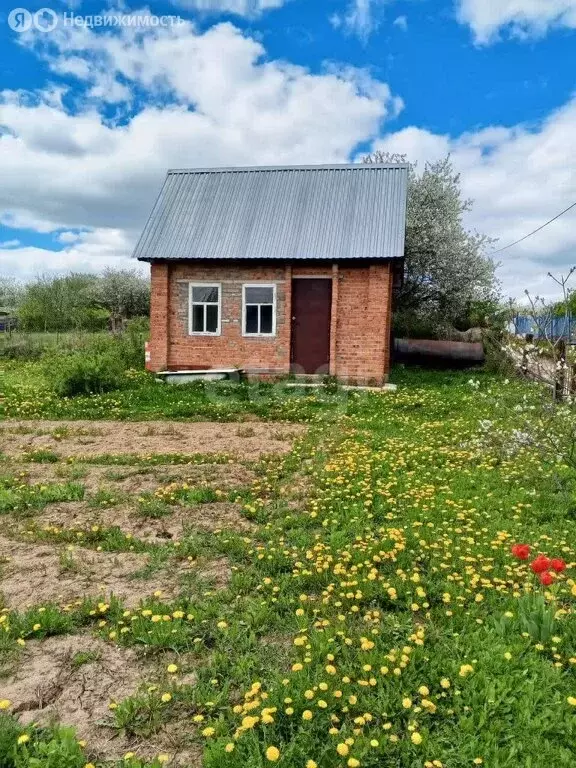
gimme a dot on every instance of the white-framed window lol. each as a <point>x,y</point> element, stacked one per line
<point>258,309</point>
<point>205,309</point>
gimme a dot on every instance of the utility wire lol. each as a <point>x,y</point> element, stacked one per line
<point>536,230</point>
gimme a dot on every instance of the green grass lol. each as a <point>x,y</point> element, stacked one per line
<point>382,620</point>
<point>26,395</point>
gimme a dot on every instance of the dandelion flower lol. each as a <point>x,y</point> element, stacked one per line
<point>272,754</point>
<point>416,738</point>
<point>172,668</point>
<point>5,703</point>
<point>166,697</point>
<point>342,749</point>
<point>23,738</point>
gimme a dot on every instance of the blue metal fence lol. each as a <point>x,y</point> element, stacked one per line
<point>554,328</point>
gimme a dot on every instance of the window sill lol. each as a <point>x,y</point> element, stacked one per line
<point>259,335</point>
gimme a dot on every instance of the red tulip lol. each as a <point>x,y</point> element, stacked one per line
<point>540,564</point>
<point>521,551</point>
<point>558,565</point>
<point>546,578</point>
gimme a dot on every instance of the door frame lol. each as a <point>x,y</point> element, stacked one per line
<point>292,316</point>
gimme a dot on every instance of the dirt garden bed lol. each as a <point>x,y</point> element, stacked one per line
<point>77,515</point>
<point>33,574</point>
<point>74,679</point>
<point>94,438</point>
<point>130,479</point>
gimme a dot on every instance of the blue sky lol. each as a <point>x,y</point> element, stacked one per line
<point>90,117</point>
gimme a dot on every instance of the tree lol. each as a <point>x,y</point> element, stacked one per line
<point>124,293</point>
<point>447,271</point>
<point>60,304</point>
<point>10,293</point>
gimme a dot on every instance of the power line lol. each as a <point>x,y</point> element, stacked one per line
<point>536,230</point>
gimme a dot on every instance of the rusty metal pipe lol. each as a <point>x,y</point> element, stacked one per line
<point>458,351</point>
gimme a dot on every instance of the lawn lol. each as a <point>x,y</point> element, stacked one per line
<point>248,576</point>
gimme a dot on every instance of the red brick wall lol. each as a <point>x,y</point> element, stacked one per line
<point>360,327</point>
<point>363,323</point>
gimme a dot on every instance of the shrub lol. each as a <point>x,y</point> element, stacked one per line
<point>97,363</point>
<point>97,368</point>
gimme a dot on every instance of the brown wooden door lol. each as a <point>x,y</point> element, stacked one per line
<point>311,310</point>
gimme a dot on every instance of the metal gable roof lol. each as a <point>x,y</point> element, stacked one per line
<point>281,212</point>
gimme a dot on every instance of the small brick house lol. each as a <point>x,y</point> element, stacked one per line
<point>276,270</point>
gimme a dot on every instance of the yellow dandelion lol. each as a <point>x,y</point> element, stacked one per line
<point>272,754</point>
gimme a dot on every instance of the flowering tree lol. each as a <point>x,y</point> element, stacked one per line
<point>124,293</point>
<point>447,269</point>
<point>10,292</point>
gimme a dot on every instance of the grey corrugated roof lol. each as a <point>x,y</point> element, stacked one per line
<point>282,212</point>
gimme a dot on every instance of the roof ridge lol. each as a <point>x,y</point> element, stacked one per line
<point>255,168</point>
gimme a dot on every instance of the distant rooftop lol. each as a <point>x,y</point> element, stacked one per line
<point>280,212</point>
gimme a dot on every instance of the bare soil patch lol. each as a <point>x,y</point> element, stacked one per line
<point>51,683</point>
<point>204,517</point>
<point>73,679</point>
<point>93,438</point>
<point>217,571</point>
<point>130,479</point>
<point>32,574</point>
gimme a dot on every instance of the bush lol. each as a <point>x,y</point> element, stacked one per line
<point>97,367</point>
<point>86,374</point>
<point>98,363</point>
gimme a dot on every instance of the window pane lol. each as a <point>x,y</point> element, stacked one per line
<point>251,319</point>
<point>212,318</point>
<point>266,318</point>
<point>198,318</point>
<point>259,295</point>
<point>205,293</point>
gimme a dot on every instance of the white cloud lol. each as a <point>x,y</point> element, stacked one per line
<point>238,7</point>
<point>10,244</point>
<point>94,252</point>
<point>521,18</point>
<point>519,178</point>
<point>363,17</point>
<point>358,18</point>
<point>207,99</point>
